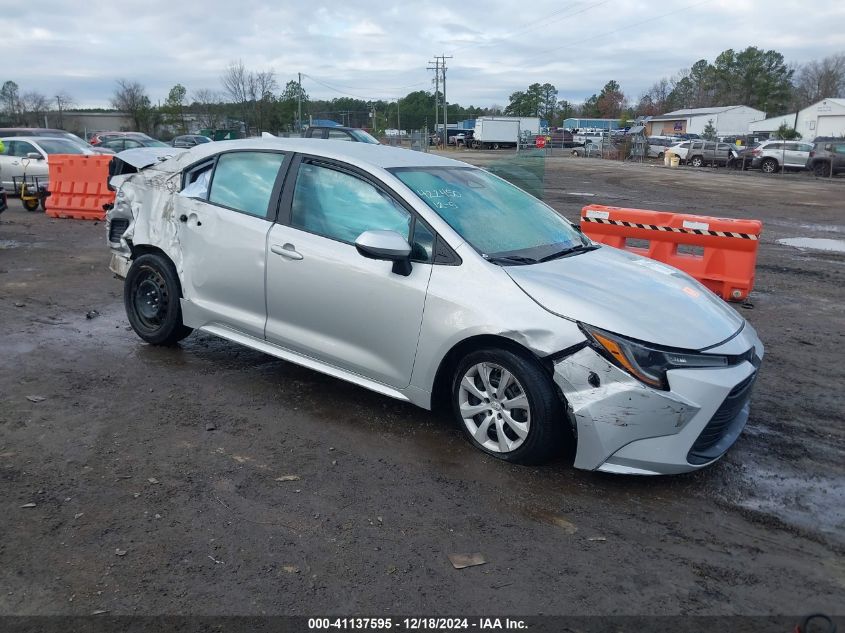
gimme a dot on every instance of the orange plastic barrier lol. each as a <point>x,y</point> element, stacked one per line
<point>726,250</point>
<point>78,186</point>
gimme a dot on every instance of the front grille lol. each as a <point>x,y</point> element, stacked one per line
<point>725,425</point>
<point>117,228</point>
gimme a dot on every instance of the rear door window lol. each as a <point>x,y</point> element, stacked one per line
<point>339,135</point>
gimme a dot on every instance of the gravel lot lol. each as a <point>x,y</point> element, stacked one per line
<point>158,475</point>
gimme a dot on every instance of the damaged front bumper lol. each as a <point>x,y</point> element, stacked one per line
<point>626,427</point>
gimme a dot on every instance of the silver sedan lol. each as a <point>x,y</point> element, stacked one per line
<point>429,280</point>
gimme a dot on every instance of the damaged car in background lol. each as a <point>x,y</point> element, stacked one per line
<point>432,281</point>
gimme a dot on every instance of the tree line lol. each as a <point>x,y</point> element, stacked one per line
<point>255,101</point>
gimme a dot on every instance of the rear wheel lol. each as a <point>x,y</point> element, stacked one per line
<point>821,169</point>
<point>769,166</point>
<point>660,156</point>
<point>506,405</point>
<point>30,204</point>
<point>696,161</point>
<point>151,296</point>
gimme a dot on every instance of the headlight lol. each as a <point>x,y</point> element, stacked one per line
<point>648,364</point>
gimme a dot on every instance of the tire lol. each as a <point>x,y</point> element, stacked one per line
<point>495,146</point>
<point>44,205</point>
<point>822,170</point>
<point>531,434</point>
<point>697,161</point>
<point>30,204</point>
<point>660,156</point>
<point>769,166</point>
<point>151,296</point>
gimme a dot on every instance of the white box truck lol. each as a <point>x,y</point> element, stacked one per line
<point>495,133</point>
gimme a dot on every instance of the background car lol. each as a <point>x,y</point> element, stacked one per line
<point>127,142</point>
<point>98,138</point>
<point>9,132</point>
<point>680,149</point>
<point>827,155</point>
<point>772,156</point>
<point>340,133</point>
<point>587,149</point>
<point>702,153</point>
<point>16,152</point>
<point>190,140</point>
<point>657,145</point>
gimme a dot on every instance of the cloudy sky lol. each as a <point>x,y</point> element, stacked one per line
<point>381,49</point>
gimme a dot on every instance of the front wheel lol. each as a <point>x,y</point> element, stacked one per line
<point>30,204</point>
<point>506,405</point>
<point>697,161</point>
<point>151,296</point>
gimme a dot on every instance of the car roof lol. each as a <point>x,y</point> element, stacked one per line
<point>36,139</point>
<point>379,156</point>
<point>30,131</point>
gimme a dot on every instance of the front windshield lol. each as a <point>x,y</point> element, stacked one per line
<point>59,146</point>
<point>364,137</point>
<point>498,219</point>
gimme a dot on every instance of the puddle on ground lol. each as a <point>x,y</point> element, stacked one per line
<point>813,503</point>
<point>818,244</point>
<point>10,244</point>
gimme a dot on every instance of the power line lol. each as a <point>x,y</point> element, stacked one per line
<point>624,28</point>
<point>527,26</point>
<point>356,96</point>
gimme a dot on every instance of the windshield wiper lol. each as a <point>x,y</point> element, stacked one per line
<point>511,259</point>
<point>568,252</point>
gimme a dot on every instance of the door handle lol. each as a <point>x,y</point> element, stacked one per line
<point>288,250</point>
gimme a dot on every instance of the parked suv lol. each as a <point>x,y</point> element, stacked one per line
<point>709,153</point>
<point>827,155</point>
<point>772,156</point>
<point>339,133</point>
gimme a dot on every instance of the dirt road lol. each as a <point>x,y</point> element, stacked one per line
<point>210,479</point>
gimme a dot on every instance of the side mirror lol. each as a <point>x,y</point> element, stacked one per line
<point>388,246</point>
<point>34,156</point>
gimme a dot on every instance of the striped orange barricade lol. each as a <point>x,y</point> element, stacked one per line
<point>78,186</point>
<point>720,252</point>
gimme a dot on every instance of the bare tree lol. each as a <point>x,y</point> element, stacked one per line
<point>131,97</point>
<point>236,85</point>
<point>817,80</point>
<point>34,106</point>
<point>208,106</point>
<point>260,89</point>
<point>64,102</point>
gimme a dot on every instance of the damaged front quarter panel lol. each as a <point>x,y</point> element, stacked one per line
<point>610,408</point>
<point>145,203</point>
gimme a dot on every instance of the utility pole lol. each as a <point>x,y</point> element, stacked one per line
<point>436,70</point>
<point>59,102</point>
<point>443,59</point>
<point>299,105</point>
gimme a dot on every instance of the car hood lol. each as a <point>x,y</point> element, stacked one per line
<point>630,295</point>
